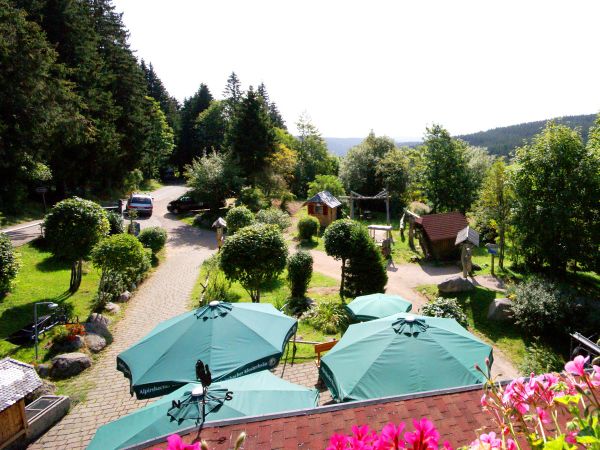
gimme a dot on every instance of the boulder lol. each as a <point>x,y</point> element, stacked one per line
<point>43,370</point>
<point>456,284</point>
<point>124,297</point>
<point>94,342</point>
<point>500,309</point>
<point>69,364</point>
<point>98,324</point>
<point>67,346</point>
<point>112,308</point>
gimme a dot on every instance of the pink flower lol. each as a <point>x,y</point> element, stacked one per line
<point>487,442</point>
<point>176,443</point>
<point>571,437</point>
<point>511,445</point>
<point>425,436</point>
<point>483,400</point>
<point>337,442</point>
<point>577,366</point>
<point>543,415</point>
<point>390,437</point>
<point>595,379</point>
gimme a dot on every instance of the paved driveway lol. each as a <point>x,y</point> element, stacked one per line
<point>164,295</point>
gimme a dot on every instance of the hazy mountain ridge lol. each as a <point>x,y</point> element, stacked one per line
<point>340,146</point>
<point>503,140</point>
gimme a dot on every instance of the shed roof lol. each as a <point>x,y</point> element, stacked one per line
<point>17,379</point>
<point>324,197</point>
<point>442,226</point>
<point>467,234</point>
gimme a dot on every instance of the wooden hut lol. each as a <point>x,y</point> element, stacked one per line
<point>438,234</point>
<point>17,380</point>
<point>324,206</point>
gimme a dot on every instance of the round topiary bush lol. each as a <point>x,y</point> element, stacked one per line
<point>308,227</point>
<point>237,218</point>
<point>122,253</point>
<point>273,216</point>
<point>299,268</point>
<point>116,223</point>
<point>153,238</point>
<point>447,308</point>
<point>9,264</point>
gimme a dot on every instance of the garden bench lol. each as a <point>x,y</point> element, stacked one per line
<point>323,347</point>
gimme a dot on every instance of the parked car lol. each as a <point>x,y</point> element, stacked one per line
<point>185,203</point>
<point>142,203</point>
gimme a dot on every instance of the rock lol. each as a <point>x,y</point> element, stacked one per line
<point>46,388</point>
<point>69,364</point>
<point>94,342</point>
<point>475,266</point>
<point>500,309</point>
<point>112,308</point>
<point>68,346</point>
<point>456,284</point>
<point>43,370</point>
<point>98,324</point>
<point>124,297</point>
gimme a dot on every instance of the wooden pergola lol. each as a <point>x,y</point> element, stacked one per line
<point>383,195</point>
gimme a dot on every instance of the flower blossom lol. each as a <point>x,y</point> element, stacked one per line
<point>577,366</point>
<point>425,436</point>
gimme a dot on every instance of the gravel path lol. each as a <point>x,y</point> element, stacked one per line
<point>164,295</point>
<point>402,280</point>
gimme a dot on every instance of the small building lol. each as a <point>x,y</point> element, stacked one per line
<point>17,380</point>
<point>438,234</point>
<point>324,206</point>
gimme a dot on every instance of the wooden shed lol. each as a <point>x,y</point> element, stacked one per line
<point>324,206</point>
<point>17,380</point>
<point>438,234</point>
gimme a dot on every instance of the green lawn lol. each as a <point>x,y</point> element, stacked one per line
<point>42,279</point>
<point>321,288</point>
<point>505,336</point>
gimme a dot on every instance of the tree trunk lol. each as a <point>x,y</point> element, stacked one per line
<point>76,271</point>
<point>501,253</point>
<point>343,278</point>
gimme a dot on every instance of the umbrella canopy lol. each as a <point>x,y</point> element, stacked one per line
<point>232,339</point>
<point>377,306</point>
<point>250,395</point>
<point>402,354</point>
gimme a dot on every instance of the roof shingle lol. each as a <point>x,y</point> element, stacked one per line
<point>442,226</point>
<point>17,379</point>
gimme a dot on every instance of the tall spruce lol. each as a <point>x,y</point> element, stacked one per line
<point>157,90</point>
<point>274,115</point>
<point>251,135</point>
<point>232,94</point>
<point>188,146</point>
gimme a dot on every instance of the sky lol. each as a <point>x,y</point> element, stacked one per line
<point>393,67</point>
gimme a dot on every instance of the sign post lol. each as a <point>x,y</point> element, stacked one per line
<point>492,250</point>
<point>42,190</point>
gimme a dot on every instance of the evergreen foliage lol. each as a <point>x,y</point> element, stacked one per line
<point>274,216</point>
<point>9,264</point>
<point>308,227</point>
<point>366,272</point>
<point>253,256</point>
<point>329,183</point>
<point>210,128</point>
<point>448,308</point>
<point>337,237</point>
<point>116,222</point>
<point>238,218</point>
<point>253,198</point>
<point>189,146</point>
<point>153,238</point>
<point>213,178</point>
<point>72,228</point>
<point>299,268</point>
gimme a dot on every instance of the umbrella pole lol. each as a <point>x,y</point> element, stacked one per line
<point>287,352</point>
<point>294,348</point>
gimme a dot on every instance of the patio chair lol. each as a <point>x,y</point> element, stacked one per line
<point>321,348</point>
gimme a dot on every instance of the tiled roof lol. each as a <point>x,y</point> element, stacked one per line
<point>324,197</point>
<point>442,226</point>
<point>17,379</point>
<point>456,413</point>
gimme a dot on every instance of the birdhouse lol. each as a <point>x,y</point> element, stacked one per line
<point>324,206</point>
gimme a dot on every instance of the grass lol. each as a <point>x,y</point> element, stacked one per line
<point>42,278</point>
<point>321,288</point>
<point>28,211</point>
<point>150,185</point>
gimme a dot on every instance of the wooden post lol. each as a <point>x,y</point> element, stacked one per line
<point>351,206</point>
<point>411,232</point>
<point>493,265</point>
<point>387,207</point>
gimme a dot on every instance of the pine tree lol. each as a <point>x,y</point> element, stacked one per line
<point>232,94</point>
<point>188,146</point>
<point>251,136</point>
<point>157,90</point>
<point>274,114</point>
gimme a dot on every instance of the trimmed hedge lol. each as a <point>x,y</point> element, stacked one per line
<point>308,227</point>
<point>153,238</point>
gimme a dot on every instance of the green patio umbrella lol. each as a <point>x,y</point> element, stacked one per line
<point>232,339</point>
<point>250,395</point>
<point>402,354</point>
<point>376,306</point>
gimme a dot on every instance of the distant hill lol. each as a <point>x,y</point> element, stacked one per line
<point>340,146</point>
<point>502,141</point>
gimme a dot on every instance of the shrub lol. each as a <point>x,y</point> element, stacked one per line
<point>72,228</point>
<point>299,268</point>
<point>153,238</point>
<point>218,285</point>
<point>448,308</point>
<point>253,256</point>
<point>285,199</point>
<point>336,239</point>
<point>253,198</point>
<point>274,216</point>
<point>237,218</point>
<point>540,359</point>
<point>540,307</point>
<point>419,208</point>
<point>123,254</point>
<point>330,317</point>
<point>112,285</point>
<point>366,272</point>
<point>308,227</point>
<point>330,183</point>
<point>115,221</point>
<point>9,263</point>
